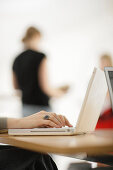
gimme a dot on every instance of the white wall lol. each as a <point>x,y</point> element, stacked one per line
<point>75,33</point>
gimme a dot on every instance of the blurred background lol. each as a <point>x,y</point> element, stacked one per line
<point>75,34</point>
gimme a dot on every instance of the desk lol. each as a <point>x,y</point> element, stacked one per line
<point>98,142</point>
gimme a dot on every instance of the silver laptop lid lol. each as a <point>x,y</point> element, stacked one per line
<point>93,102</point>
<point>109,79</point>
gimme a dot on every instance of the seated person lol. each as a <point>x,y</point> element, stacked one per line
<point>12,158</point>
<point>106,118</point>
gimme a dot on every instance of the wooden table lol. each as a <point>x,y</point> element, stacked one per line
<point>98,142</point>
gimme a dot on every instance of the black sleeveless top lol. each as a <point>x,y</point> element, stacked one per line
<point>26,67</point>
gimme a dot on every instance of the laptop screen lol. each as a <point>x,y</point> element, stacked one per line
<point>111,78</point>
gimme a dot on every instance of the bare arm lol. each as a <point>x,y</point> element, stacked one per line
<point>36,120</point>
<point>15,82</point>
<point>44,82</point>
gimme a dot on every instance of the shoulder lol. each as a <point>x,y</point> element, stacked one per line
<point>18,58</point>
<point>20,55</point>
<point>39,54</point>
<point>23,55</point>
<point>30,52</point>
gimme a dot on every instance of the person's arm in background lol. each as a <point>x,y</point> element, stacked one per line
<point>44,82</point>
<point>3,123</point>
<point>34,121</point>
<point>15,82</point>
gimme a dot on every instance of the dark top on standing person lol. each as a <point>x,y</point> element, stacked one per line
<point>26,67</point>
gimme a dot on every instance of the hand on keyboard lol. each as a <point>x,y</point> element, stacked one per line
<point>40,119</point>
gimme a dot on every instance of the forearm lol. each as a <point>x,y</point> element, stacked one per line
<point>34,121</point>
<point>13,123</point>
<point>21,123</point>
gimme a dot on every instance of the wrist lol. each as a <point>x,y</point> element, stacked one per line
<point>13,123</point>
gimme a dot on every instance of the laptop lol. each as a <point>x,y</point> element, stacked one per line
<point>89,114</point>
<point>109,78</point>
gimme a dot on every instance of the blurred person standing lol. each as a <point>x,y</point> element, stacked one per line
<point>30,75</point>
<point>106,117</point>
